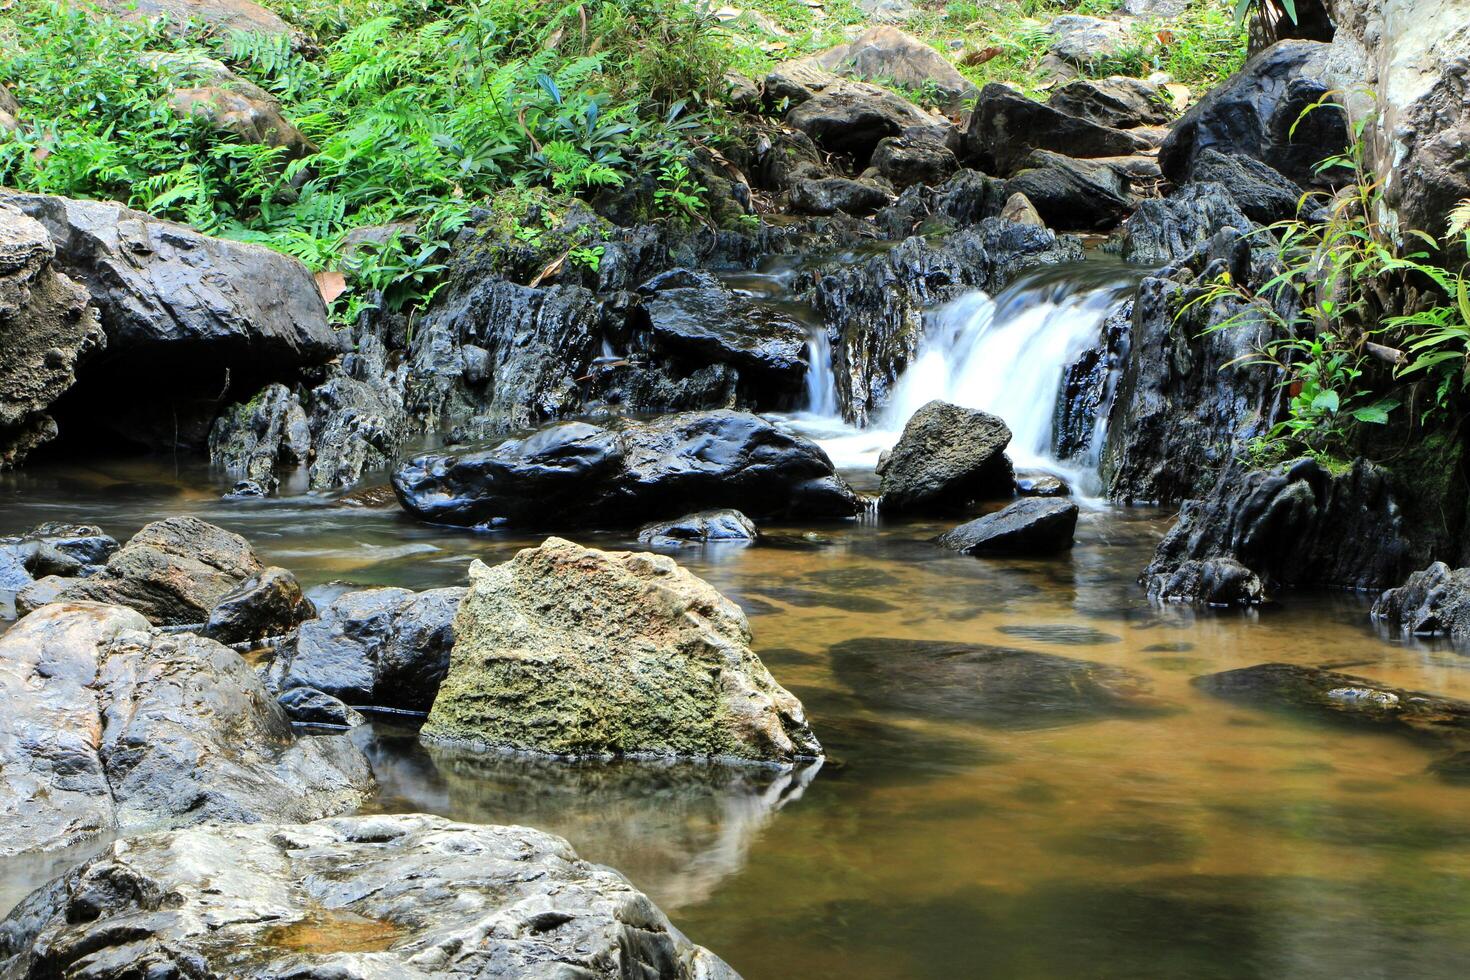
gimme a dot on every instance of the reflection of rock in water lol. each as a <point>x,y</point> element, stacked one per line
<point>674,828</point>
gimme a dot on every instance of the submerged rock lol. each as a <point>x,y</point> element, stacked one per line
<point>107,726</point>
<point>990,685</point>
<point>173,571</point>
<point>627,471</point>
<point>1029,526</point>
<point>1431,602</point>
<point>573,651</point>
<point>372,896</point>
<point>701,528</point>
<point>947,456</point>
<point>1343,697</point>
<point>384,648</point>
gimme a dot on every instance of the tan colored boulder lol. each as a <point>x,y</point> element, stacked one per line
<point>229,103</point>
<point>220,15</point>
<point>886,54</point>
<point>578,652</point>
<point>9,111</point>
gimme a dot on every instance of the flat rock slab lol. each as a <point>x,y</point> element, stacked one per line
<point>356,897</point>
<point>1030,526</point>
<point>996,686</point>
<point>572,651</point>
<point>106,726</point>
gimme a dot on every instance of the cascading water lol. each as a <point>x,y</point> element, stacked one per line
<point>1006,356</point>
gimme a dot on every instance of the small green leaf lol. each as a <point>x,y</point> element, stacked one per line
<point>1326,401</point>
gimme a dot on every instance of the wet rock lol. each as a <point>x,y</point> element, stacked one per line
<point>221,15</point>
<point>1211,582</point>
<point>994,686</point>
<point>1006,126</point>
<point>704,527</point>
<point>1073,194</point>
<point>251,440</point>
<point>1018,208</point>
<point>371,896</point>
<point>904,161</point>
<point>1087,387</point>
<point>165,290</point>
<point>1431,602</point>
<point>41,592</point>
<point>1029,526</point>
<point>1041,485</point>
<point>888,55</point>
<point>107,726</point>
<point>1168,230</point>
<point>173,571</point>
<point>208,90</point>
<point>53,549</point>
<point>1262,194</point>
<point>46,326</point>
<point>704,318</point>
<point>1342,697</point>
<point>1296,524</point>
<point>385,648</point>
<point>1063,635</point>
<point>829,195</point>
<point>1082,40</point>
<point>270,603</point>
<point>852,117</point>
<point>1119,102</point>
<point>1257,112</point>
<point>625,472</point>
<point>308,706</point>
<point>947,456</point>
<point>573,651</point>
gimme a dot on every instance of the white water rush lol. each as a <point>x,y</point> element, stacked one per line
<point>1005,355</point>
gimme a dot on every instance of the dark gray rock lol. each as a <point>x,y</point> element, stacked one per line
<point>384,648</point>
<point>53,549</point>
<point>829,195</point>
<point>1262,194</point>
<point>1006,126</point>
<point>626,472</point>
<point>904,161</point>
<point>704,527</point>
<point>1211,582</point>
<point>1118,102</point>
<point>947,457</point>
<point>1432,602</point>
<point>1296,525</point>
<point>360,897</point>
<point>251,440</point>
<point>173,571</point>
<point>1087,387</point>
<point>270,603</point>
<point>1257,112</point>
<point>46,326</point>
<point>164,290</point>
<point>852,117</point>
<point>110,727</point>
<point>1168,230</point>
<point>1073,194</point>
<point>999,687</point>
<point>308,706</point>
<point>1029,526</point>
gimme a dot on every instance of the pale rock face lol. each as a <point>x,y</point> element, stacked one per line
<point>574,651</point>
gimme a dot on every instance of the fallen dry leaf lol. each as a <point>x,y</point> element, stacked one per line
<point>1179,93</point>
<point>972,58</point>
<point>330,284</point>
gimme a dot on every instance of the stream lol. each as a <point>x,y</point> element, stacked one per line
<point>1203,839</point>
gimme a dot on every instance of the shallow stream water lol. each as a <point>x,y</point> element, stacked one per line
<point>942,839</point>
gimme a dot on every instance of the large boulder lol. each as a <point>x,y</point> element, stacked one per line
<point>1082,40</point>
<point>852,117</point>
<point>1119,102</point>
<point>626,472</point>
<point>1257,112</point>
<point>999,687</point>
<point>1297,524</point>
<point>1027,527</point>
<point>173,571</point>
<point>1073,194</point>
<point>46,326</point>
<point>888,55</point>
<point>251,440</point>
<point>1404,69</point>
<point>1432,602</point>
<point>181,15</point>
<point>206,89</point>
<point>1006,126</point>
<point>829,195</point>
<point>167,293</point>
<point>106,726</point>
<point>947,456</point>
<point>1208,582</point>
<point>363,897</point>
<point>574,651</point>
<point>1262,194</point>
<point>9,111</point>
<point>381,648</point>
<point>903,161</point>
<point>266,605</point>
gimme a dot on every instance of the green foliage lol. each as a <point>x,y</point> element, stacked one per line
<point>419,111</point>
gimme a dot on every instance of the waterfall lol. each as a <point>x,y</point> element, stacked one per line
<point>1005,355</point>
<point>821,386</point>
